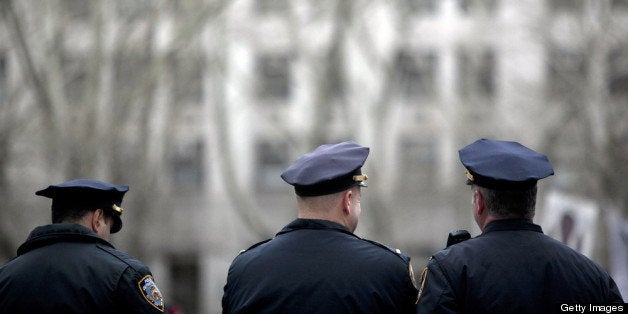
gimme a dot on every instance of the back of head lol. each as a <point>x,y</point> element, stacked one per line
<point>321,203</point>
<point>506,173</point>
<point>328,169</point>
<point>510,203</point>
<point>327,182</point>
<point>71,200</point>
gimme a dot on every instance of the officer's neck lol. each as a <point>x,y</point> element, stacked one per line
<point>325,207</point>
<point>322,216</point>
<point>490,218</point>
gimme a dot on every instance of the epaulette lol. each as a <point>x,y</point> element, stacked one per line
<point>125,258</point>
<point>404,257</point>
<point>255,245</point>
<point>397,252</point>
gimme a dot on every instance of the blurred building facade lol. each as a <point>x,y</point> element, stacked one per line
<point>240,95</point>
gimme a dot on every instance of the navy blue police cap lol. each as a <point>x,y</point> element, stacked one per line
<point>88,194</point>
<point>328,169</point>
<point>503,165</point>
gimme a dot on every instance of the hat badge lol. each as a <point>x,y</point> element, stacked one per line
<point>469,175</point>
<point>360,178</point>
<point>117,208</point>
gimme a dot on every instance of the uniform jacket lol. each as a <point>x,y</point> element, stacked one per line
<point>512,267</point>
<point>318,266</point>
<point>67,268</point>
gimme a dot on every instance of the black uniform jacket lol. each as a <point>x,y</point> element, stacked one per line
<point>512,267</point>
<point>318,266</point>
<point>67,268</point>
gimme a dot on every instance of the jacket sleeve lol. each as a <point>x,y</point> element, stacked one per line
<point>138,293</point>
<point>435,291</point>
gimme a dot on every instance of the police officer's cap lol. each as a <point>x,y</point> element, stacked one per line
<point>328,169</point>
<point>88,194</point>
<point>503,165</point>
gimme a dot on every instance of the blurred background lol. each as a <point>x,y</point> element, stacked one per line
<point>199,105</point>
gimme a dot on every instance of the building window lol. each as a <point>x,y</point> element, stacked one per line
<point>274,76</point>
<point>618,72</point>
<point>416,74</point>
<point>334,82</point>
<point>3,77</point>
<point>478,7</point>
<point>131,71</point>
<point>129,11</point>
<point>476,72</point>
<point>565,6</point>
<point>567,72</point>
<point>187,74</point>
<point>266,7</point>
<point>75,77</point>
<point>423,7</point>
<point>187,165</point>
<point>77,9</point>
<point>184,276</point>
<point>271,161</point>
<point>619,5</point>
<point>418,164</point>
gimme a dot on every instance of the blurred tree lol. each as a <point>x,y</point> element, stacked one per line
<point>107,85</point>
<point>104,113</point>
<point>588,92</point>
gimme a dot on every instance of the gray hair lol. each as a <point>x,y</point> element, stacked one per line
<point>509,203</point>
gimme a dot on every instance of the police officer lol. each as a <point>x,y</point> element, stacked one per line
<point>512,267</point>
<point>316,264</point>
<point>70,267</point>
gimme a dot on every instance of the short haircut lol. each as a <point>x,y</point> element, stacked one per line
<point>510,203</point>
<point>61,215</point>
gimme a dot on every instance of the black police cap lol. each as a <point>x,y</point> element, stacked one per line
<point>88,194</point>
<point>328,169</point>
<point>503,165</point>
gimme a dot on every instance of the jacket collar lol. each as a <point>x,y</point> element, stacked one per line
<point>301,223</point>
<point>512,224</point>
<point>62,232</point>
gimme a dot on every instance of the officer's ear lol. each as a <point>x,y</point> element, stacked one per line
<point>478,202</point>
<point>98,221</point>
<point>346,201</point>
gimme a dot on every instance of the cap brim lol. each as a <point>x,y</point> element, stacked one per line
<point>117,224</point>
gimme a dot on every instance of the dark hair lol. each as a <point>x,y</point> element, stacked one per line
<point>61,215</point>
<point>510,203</point>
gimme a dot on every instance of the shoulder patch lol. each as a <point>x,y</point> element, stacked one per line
<point>422,281</point>
<point>411,274</point>
<point>150,292</point>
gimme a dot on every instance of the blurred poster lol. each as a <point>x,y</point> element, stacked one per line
<point>571,220</point>
<point>618,251</point>
<point>574,221</point>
